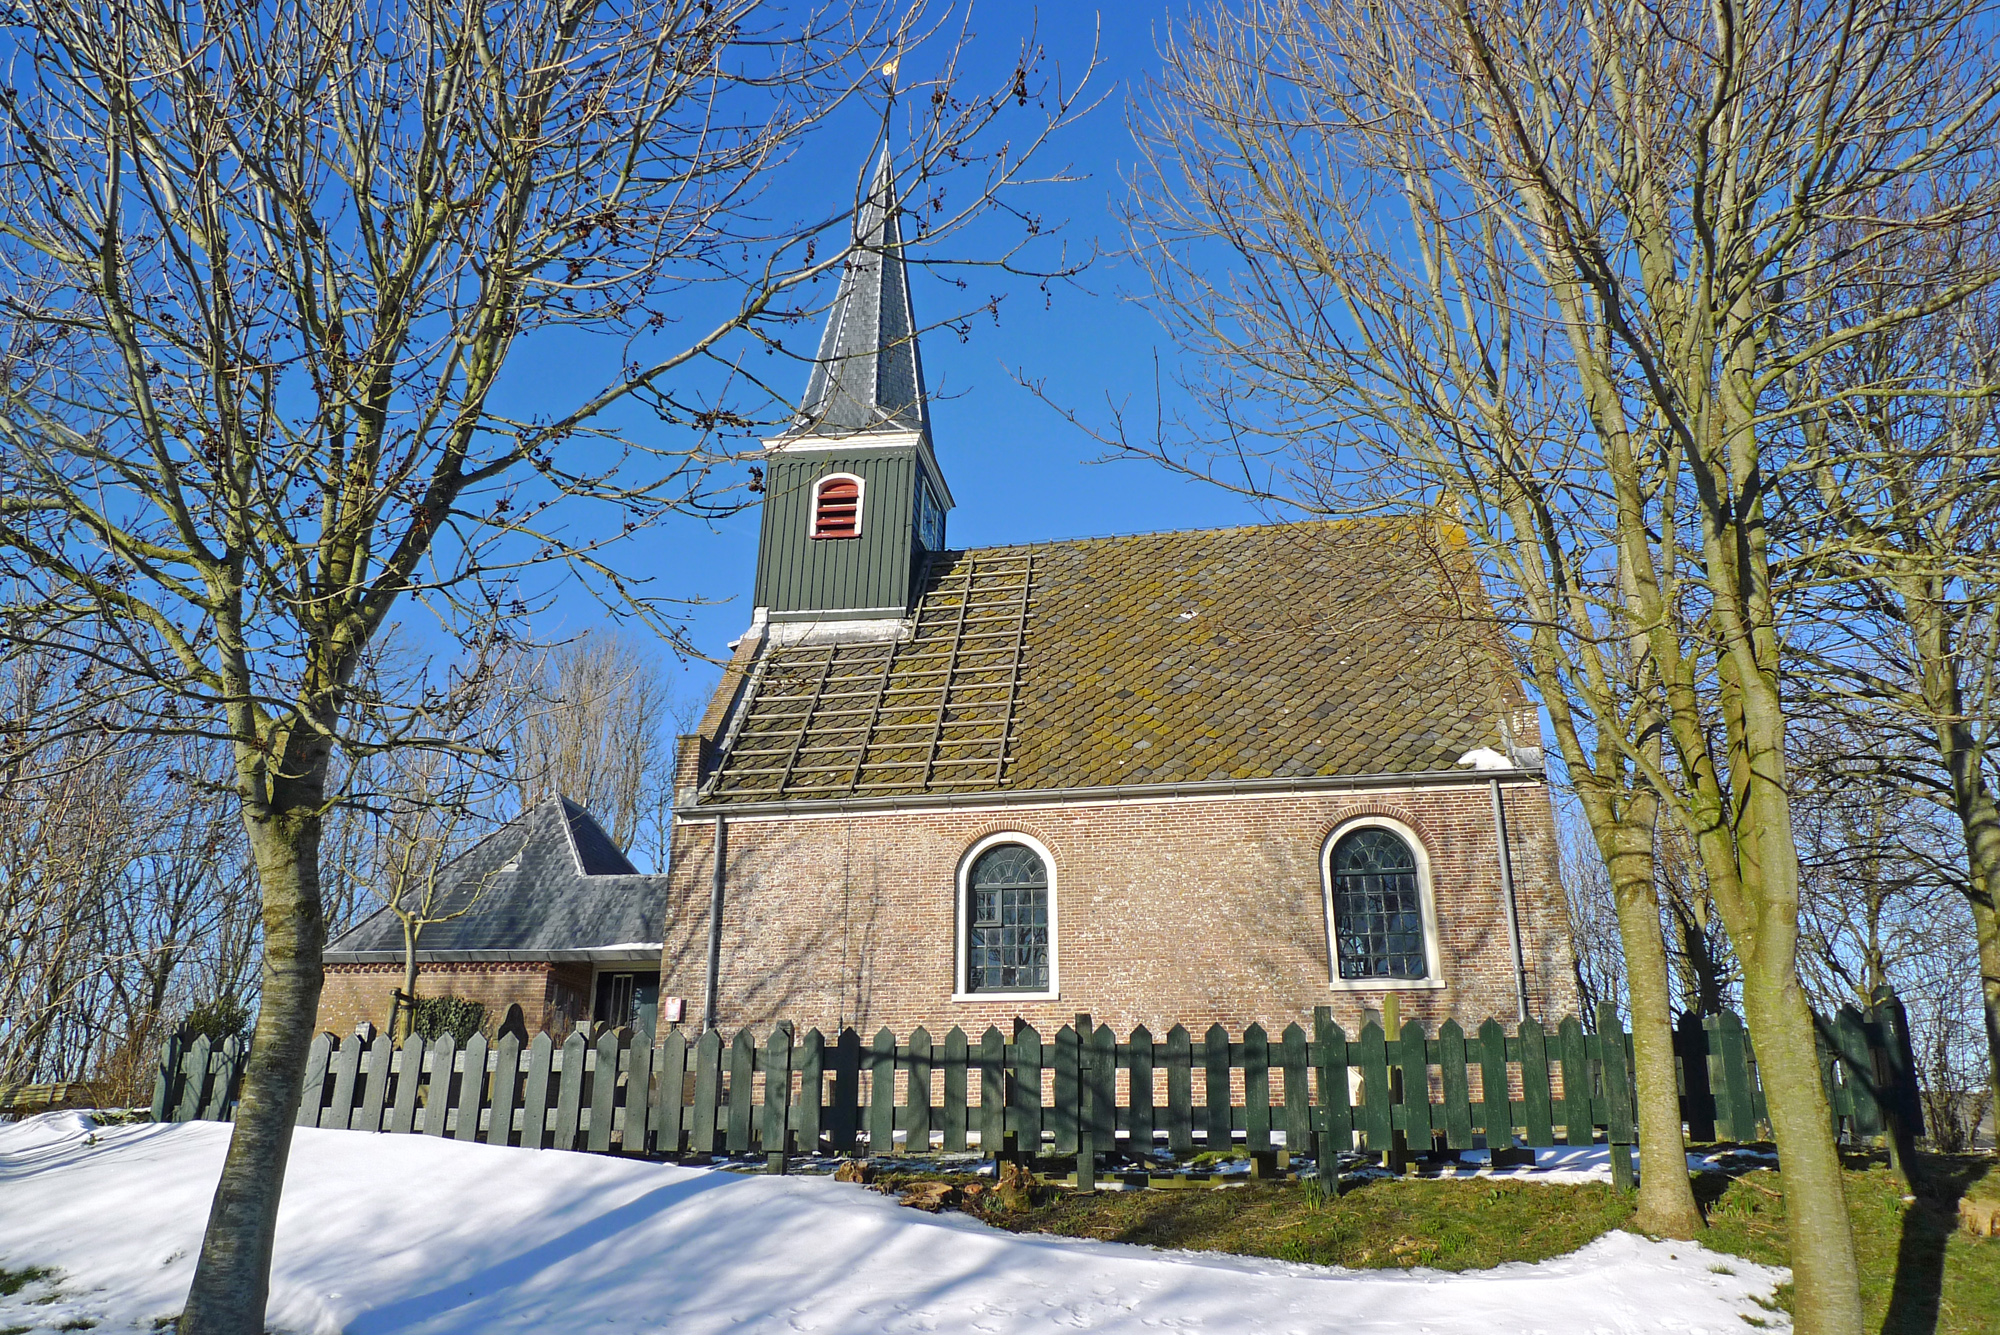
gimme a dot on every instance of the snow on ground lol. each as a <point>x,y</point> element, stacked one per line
<point>1590,1163</point>
<point>386,1234</point>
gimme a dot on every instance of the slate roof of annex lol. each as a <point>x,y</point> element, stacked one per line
<point>571,889</point>
<point>1248,653</point>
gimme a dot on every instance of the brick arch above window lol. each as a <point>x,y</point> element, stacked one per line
<point>836,508</point>
<point>1387,811</point>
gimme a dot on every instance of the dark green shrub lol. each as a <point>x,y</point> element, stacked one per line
<point>219,1018</point>
<point>456,1016</point>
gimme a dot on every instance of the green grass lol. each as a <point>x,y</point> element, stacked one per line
<point>13,1281</point>
<point>1919,1274</point>
<point>1463,1225</point>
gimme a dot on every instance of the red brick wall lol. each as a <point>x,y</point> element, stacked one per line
<point>1184,910</point>
<point>357,992</point>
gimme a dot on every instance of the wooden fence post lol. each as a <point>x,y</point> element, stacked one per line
<point>993,1095</point>
<point>917,1094</point>
<point>707,1092</point>
<point>1620,1129</point>
<point>882,1094</point>
<point>604,1087</point>
<point>1335,1120</point>
<point>1697,1097</point>
<point>808,1117</point>
<point>1452,1064</point>
<point>1295,1060</point>
<point>166,1080</point>
<point>1413,1067</point>
<point>472,1088</point>
<point>1577,1126</point>
<point>437,1090</point>
<point>670,1119</point>
<point>638,1090</point>
<point>1060,1118</point>
<point>1084,1143</point>
<point>312,1091</point>
<point>1215,1093</point>
<point>957,1115</point>
<point>375,1086</point>
<point>1729,1077</point>
<point>506,1089</point>
<point>222,1075</point>
<point>1180,1090</point>
<point>409,1075</point>
<point>1378,1126</point>
<point>844,1117</point>
<point>1903,1109</point>
<point>1024,1116</point>
<point>345,1065</point>
<point>777,1099</point>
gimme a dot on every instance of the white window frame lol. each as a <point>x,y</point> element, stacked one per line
<point>860,505</point>
<point>962,915</point>
<point>1433,957</point>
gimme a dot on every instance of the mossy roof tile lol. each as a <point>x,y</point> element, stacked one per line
<point>1282,650</point>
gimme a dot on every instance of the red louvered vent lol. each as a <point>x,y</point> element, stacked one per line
<point>837,508</point>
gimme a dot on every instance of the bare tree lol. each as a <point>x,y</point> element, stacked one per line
<point>433,814</point>
<point>1702,967</point>
<point>265,266</point>
<point>1558,270</point>
<point>123,890</point>
<point>1885,904</point>
<point>1899,604</point>
<point>1592,909</point>
<point>591,724</point>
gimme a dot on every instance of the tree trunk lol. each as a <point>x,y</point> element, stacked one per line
<point>1979,817</point>
<point>1825,1273</point>
<point>403,1009</point>
<point>1985,898</point>
<point>232,1278</point>
<point>1666,1205</point>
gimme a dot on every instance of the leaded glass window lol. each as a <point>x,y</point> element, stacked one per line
<point>1007,932</point>
<point>1378,910</point>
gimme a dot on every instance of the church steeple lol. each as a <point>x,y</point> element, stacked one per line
<point>854,499</point>
<point>868,376</point>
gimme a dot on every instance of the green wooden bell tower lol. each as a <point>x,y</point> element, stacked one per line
<point>854,499</point>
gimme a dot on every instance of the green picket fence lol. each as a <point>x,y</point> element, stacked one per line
<point>1083,1094</point>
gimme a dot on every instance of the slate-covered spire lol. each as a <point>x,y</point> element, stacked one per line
<point>868,376</point>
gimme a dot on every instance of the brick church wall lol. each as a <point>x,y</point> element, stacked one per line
<point>357,992</point>
<point>1189,910</point>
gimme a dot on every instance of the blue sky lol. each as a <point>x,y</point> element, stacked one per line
<point>1019,472</point>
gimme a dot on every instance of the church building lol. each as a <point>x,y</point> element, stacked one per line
<point>1216,776</point>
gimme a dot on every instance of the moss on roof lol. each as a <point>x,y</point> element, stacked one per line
<point>1277,651</point>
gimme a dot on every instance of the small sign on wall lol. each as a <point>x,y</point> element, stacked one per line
<point>673,1009</point>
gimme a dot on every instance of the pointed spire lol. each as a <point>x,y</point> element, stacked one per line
<point>868,376</point>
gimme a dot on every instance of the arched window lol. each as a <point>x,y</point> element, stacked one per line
<point>1378,916</point>
<point>1006,902</point>
<point>837,506</point>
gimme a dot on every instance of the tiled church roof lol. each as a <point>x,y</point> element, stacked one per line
<point>1249,653</point>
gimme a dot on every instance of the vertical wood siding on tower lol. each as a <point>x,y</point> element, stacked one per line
<point>798,572</point>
